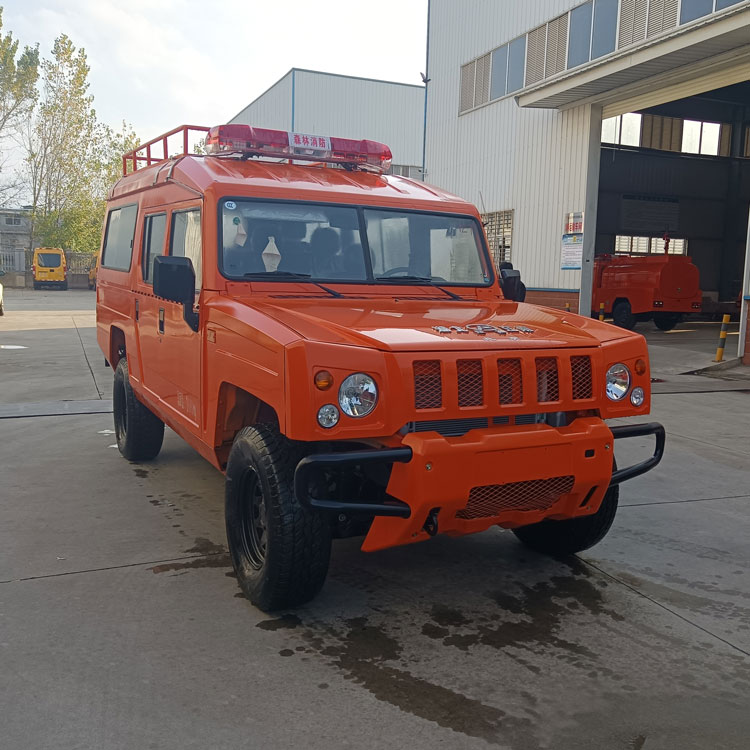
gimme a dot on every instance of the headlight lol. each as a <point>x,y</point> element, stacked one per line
<point>618,382</point>
<point>328,416</point>
<point>358,395</point>
<point>637,397</point>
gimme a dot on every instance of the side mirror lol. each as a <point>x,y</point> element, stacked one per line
<point>513,288</point>
<point>174,280</point>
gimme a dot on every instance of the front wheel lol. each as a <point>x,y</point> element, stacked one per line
<point>138,430</point>
<point>573,535</point>
<point>280,550</point>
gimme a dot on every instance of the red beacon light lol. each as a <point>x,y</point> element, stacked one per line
<point>243,139</point>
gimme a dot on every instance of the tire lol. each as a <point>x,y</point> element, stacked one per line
<point>279,549</point>
<point>573,535</point>
<point>138,430</point>
<point>666,321</point>
<point>36,285</point>
<point>2,309</point>
<point>622,315</point>
<point>65,286</point>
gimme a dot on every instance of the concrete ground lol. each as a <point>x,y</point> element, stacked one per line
<point>121,625</point>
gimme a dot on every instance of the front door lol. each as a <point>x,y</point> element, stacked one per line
<point>174,370</point>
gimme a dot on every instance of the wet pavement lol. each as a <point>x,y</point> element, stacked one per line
<point>122,626</point>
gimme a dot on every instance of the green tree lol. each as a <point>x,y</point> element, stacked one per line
<point>72,160</point>
<point>18,76</point>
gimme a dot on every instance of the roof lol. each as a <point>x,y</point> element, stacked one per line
<point>251,177</point>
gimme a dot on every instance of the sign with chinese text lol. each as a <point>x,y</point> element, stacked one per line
<point>571,256</point>
<point>304,142</point>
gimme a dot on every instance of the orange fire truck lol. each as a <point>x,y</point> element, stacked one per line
<point>337,342</point>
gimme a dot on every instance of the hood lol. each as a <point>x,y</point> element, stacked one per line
<point>413,325</point>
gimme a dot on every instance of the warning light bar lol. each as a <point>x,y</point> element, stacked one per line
<point>244,139</point>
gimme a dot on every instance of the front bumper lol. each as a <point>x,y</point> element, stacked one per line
<point>434,478</point>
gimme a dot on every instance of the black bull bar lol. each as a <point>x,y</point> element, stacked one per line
<point>404,454</point>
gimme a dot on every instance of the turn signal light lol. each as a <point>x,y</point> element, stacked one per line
<point>640,367</point>
<point>323,380</point>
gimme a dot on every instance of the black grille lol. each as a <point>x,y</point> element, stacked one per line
<point>450,427</point>
<point>493,499</point>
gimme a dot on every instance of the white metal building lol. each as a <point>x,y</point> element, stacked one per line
<point>516,100</point>
<point>309,101</point>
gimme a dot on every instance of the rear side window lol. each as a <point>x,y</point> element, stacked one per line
<point>186,239</point>
<point>154,229</point>
<point>118,239</point>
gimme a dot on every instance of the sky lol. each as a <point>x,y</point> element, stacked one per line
<point>157,64</point>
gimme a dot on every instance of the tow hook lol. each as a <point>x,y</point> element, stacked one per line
<point>431,524</point>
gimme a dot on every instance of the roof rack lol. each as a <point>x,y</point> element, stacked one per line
<point>143,156</point>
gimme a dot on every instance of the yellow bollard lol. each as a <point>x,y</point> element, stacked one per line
<point>601,311</point>
<point>722,339</point>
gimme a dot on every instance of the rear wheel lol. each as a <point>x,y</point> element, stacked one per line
<point>666,321</point>
<point>280,550</point>
<point>622,315</point>
<point>36,285</point>
<point>138,430</point>
<point>65,286</point>
<point>573,535</point>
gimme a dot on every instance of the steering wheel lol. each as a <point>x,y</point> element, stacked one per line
<point>393,271</point>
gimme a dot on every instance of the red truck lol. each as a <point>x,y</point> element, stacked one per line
<point>661,288</point>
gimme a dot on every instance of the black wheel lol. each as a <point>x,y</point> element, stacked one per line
<point>2,309</point>
<point>138,430</point>
<point>65,286</point>
<point>622,315</point>
<point>279,549</point>
<point>573,535</point>
<point>666,321</point>
<point>36,285</point>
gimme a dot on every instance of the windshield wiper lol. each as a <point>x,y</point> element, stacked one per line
<point>260,275</point>
<point>420,281</point>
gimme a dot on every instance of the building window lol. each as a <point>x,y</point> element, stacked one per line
<point>12,221</point>
<point>721,4</point>
<point>475,83</point>
<point>498,227</point>
<point>604,33</point>
<point>499,72</point>
<point>623,130</point>
<point>628,245</point>
<point>692,9</point>
<point>579,39</point>
<point>701,137</point>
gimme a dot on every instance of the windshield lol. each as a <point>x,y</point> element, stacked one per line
<point>328,243</point>
<point>48,260</point>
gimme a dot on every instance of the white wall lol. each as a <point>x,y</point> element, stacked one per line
<point>347,107</point>
<point>272,109</point>
<point>532,161</point>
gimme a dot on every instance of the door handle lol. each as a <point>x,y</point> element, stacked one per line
<point>161,320</point>
<point>137,311</point>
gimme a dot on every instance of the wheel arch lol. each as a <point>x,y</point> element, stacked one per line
<point>237,408</point>
<point>117,346</point>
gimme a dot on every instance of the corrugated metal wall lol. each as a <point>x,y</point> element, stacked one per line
<point>326,104</point>
<point>359,108</point>
<point>533,161</point>
<point>272,109</point>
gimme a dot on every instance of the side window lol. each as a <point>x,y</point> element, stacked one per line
<point>154,229</point>
<point>118,239</point>
<point>186,239</point>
